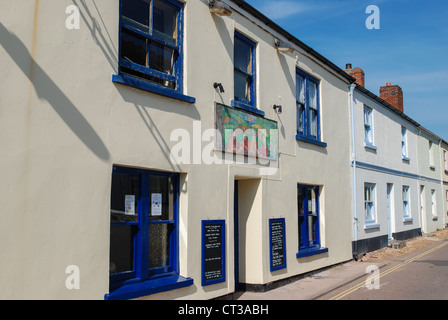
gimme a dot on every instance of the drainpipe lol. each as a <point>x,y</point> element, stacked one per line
<point>355,213</point>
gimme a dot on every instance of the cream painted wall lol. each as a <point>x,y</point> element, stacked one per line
<point>65,124</point>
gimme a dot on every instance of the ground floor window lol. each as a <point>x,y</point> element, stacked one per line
<point>308,212</point>
<point>143,226</point>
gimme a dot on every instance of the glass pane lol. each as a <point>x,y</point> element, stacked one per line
<point>301,231</point>
<point>367,116</point>
<point>161,190</point>
<point>121,249</point>
<point>313,122</point>
<point>311,202</point>
<point>136,13</point>
<point>165,22</point>
<point>159,245</point>
<point>161,58</point>
<point>300,118</point>
<point>300,89</point>
<point>242,86</point>
<point>368,134</point>
<point>312,228</point>
<point>243,56</point>
<point>300,196</point>
<point>124,198</point>
<point>312,94</point>
<point>133,48</point>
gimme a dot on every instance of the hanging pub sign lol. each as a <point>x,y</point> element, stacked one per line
<point>277,243</point>
<point>213,252</point>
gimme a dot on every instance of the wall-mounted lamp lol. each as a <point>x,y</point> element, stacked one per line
<point>220,8</point>
<point>283,46</point>
<point>218,85</point>
<point>278,108</point>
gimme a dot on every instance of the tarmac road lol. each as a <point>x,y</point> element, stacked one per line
<point>422,275</point>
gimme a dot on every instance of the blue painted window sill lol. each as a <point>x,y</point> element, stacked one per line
<point>148,287</point>
<point>310,252</point>
<point>246,107</point>
<point>311,140</point>
<point>147,86</point>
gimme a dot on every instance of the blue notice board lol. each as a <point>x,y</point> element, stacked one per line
<point>213,252</point>
<point>277,243</point>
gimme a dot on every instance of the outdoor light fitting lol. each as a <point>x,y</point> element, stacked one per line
<point>220,8</point>
<point>278,108</point>
<point>218,85</point>
<point>283,47</point>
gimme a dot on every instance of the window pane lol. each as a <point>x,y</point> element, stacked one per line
<point>300,196</point>
<point>161,58</point>
<point>121,249</point>
<point>312,95</point>
<point>368,134</point>
<point>165,22</point>
<point>133,48</point>
<point>136,13</point>
<point>243,56</point>
<point>242,86</point>
<point>124,198</point>
<point>313,122</point>
<point>161,188</point>
<point>300,89</point>
<point>300,118</point>
<point>312,229</point>
<point>159,245</point>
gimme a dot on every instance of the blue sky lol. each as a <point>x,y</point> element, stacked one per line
<point>410,49</point>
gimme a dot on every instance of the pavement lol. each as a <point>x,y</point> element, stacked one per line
<point>315,285</point>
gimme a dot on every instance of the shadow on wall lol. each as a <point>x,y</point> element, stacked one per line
<point>47,90</point>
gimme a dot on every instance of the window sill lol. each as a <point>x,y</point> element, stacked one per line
<point>407,219</point>
<point>310,252</point>
<point>246,107</point>
<point>432,168</point>
<point>370,146</point>
<point>370,226</point>
<point>406,159</point>
<point>435,218</point>
<point>148,287</point>
<point>311,140</point>
<point>149,87</point>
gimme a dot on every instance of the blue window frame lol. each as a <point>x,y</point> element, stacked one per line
<point>245,74</point>
<point>308,108</point>
<point>308,212</point>
<point>143,233</point>
<point>151,46</point>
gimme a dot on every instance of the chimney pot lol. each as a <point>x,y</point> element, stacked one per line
<point>348,66</point>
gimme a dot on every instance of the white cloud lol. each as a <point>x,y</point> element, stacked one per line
<point>281,9</point>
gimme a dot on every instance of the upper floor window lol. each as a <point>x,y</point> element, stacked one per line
<point>244,73</point>
<point>431,154</point>
<point>445,160</point>
<point>308,110</point>
<point>404,147</point>
<point>368,127</point>
<point>151,43</point>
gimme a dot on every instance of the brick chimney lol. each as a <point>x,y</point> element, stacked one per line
<point>356,73</point>
<point>393,95</point>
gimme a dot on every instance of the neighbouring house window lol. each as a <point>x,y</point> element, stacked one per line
<point>309,229</point>
<point>431,155</point>
<point>369,203</point>
<point>151,42</point>
<point>307,101</point>
<point>244,73</point>
<point>404,148</point>
<point>368,127</point>
<point>433,203</point>
<point>143,228</point>
<point>445,160</point>
<point>406,210</point>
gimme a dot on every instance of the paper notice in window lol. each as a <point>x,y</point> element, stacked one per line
<point>156,204</point>
<point>129,204</point>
